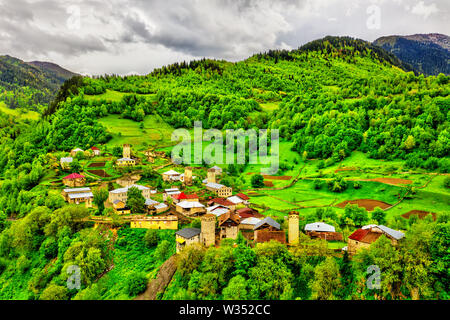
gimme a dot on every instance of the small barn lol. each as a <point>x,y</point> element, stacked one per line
<point>187,236</point>
<point>229,225</point>
<point>74,180</point>
<point>268,229</point>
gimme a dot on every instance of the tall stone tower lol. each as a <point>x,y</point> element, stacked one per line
<point>188,176</point>
<point>126,151</point>
<point>208,230</point>
<point>211,176</point>
<point>293,228</point>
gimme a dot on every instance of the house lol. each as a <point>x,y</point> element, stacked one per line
<point>323,231</point>
<point>249,218</point>
<point>122,193</point>
<point>223,202</point>
<point>217,210</point>
<point>126,162</point>
<point>229,225</point>
<point>120,207</point>
<point>74,152</point>
<point>169,193</point>
<point>268,229</point>
<point>65,162</point>
<point>158,223</point>
<point>249,223</point>
<point>240,198</point>
<point>171,175</point>
<point>184,197</point>
<point>190,208</point>
<point>74,180</point>
<point>65,193</point>
<point>187,236</point>
<point>160,208</point>
<point>78,196</point>
<point>219,189</point>
<point>217,170</point>
<point>154,207</point>
<point>96,151</point>
<point>364,237</point>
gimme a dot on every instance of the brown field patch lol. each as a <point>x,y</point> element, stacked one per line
<point>392,180</point>
<point>277,177</point>
<point>268,183</point>
<point>100,173</point>
<point>368,204</point>
<point>97,164</point>
<point>420,213</point>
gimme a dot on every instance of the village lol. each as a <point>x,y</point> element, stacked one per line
<point>222,213</point>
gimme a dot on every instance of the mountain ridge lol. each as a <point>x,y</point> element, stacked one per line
<point>427,53</point>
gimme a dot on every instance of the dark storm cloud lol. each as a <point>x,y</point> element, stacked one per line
<point>137,35</point>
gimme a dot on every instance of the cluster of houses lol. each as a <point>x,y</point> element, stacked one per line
<point>222,217</point>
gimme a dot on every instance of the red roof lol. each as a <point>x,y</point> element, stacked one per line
<point>248,213</point>
<point>95,149</point>
<point>359,234</point>
<point>183,196</point>
<point>243,196</point>
<point>223,202</point>
<point>74,176</point>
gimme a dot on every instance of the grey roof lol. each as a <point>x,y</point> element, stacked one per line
<point>122,190</point>
<point>393,233</point>
<point>214,185</point>
<point>161,206</point>
<point>216,168</point>
<point>171,173</point>
<point>269,221</point>
<point>251,220</point>
<point>150,202</point>
<point>81,195</point>
<point>67,159</point>
<point>188,233</point>
<point>190,204</point>
<point>320,227</point>
<point>77,190</point>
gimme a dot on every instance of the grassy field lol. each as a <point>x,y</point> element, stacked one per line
<point>114,96</point>
<point>30,115</point>
<point>155,131</point>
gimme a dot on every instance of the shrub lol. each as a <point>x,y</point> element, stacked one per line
<point>447,182</point>
<point>151,238</point>
<point>22,264</point>
<point>136,283</point>
<point>318,184</point>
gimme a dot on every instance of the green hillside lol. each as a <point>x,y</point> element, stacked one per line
<point>355,124</point>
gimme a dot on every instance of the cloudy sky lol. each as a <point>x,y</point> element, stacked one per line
<point>135,36</point>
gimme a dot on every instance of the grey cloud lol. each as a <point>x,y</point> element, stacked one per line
<point>169,30</point>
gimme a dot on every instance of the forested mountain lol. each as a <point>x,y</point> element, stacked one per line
<point>26,85</point>
<point>329,98</point>
<point>426,53</point>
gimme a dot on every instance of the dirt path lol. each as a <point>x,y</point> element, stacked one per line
<point>162,280</point>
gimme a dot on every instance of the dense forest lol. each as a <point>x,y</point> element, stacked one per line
<point>329,97</point>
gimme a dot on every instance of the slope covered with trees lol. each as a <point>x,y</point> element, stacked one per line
<point>328,98</point>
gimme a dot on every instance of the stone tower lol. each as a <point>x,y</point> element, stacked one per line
<point>211,176</point>
<point>293,228</point>
<point>208,230</point>
<point>188,176</point>
<point>126,151</point>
